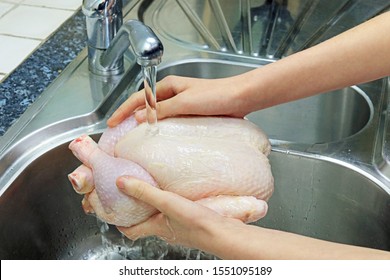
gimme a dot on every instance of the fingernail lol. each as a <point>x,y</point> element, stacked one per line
<point>121,182</point>
<point>110,121</point>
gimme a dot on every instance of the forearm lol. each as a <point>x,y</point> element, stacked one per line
<point>356,56</point>
<point>252,242</point>
<point>187,223</point>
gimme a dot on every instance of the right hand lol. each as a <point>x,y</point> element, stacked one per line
<point>180,221</point>
<point>187,96</point>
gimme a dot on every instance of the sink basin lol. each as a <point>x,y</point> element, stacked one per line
<point>328,117</point>
<point>326,200</point>
<point>326,182</point>
<point>319,195</point>
<point>41,216</point>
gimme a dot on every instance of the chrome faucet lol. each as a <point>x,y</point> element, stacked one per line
<point>108,38</point>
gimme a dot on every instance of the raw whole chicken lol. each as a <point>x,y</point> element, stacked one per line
<point>218,162</point>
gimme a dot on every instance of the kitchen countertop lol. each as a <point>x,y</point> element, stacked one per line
<point>24,85</point>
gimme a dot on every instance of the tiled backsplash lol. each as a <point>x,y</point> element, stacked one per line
<point>26,24</point>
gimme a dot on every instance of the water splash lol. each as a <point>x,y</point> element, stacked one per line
<point>118,247</point>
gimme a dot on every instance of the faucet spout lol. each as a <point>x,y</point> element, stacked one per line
<point>146,46</point>
<point>109,38</point>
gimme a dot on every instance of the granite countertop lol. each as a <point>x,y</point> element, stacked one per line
<point>25,84</point>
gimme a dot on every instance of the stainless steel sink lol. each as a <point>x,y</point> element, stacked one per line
<point>41,216</point>
<point>328,196</point>
<point>329,157</point>
<point>329,200</point>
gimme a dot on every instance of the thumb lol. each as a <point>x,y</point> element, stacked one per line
<point>136,188</point>
<point>155,225</point>
<point>170,204</point>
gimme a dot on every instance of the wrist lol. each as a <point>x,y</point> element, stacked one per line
<point>220,237</point>
<point>253,88</point>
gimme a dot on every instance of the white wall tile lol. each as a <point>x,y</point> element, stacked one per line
<point>65,4</point>
<point>32,22</point>
<point>13,51</point>
<point>15,1</point>
<point>4,8</point>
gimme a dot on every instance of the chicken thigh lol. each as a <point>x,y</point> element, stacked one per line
<point>218,162</point>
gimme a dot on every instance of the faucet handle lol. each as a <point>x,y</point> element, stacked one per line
<point>103,18</point>
<point>108,39</point>
<point>101,8</point>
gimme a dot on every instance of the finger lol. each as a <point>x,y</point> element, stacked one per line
<point>170,107</point>
<point>166,92</point>
<point>167,108</point>
<point>167,105</point>
<point>168,203</point>
<point>127,108</point>
<point>167,87</point>
<point>135,101</point>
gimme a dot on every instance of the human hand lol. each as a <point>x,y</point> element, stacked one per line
<point>187,223</point>
<point>180,220</point>
<point>187,96</point>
